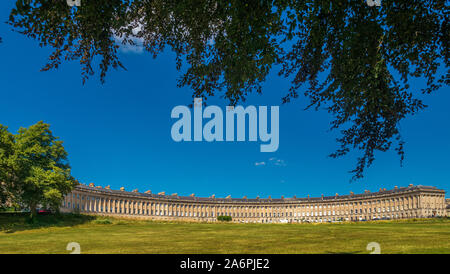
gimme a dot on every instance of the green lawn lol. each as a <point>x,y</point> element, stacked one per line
<point>50,234</point>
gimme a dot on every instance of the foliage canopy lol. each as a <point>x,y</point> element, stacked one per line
<point>33,167</point>
<point>355,60</point>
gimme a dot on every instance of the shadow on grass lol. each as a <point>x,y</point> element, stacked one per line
<point>12,222</point>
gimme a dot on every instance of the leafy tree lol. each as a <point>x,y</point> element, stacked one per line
<point>224,218</point>
<point>6,173</point>
<point>353,59</point>
<point>34,165</point>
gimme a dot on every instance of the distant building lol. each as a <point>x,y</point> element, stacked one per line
<point>447,201</point>
<point>398,203</point>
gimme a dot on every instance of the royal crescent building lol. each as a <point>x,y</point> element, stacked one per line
<point>398,203</point>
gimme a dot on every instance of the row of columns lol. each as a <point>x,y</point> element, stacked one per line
<point>410,206</point>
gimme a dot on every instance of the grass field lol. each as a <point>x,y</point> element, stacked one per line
<point>51,234</point>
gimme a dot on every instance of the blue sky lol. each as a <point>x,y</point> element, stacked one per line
<point>118,133</point>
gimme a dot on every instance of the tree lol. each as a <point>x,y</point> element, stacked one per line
<point>35,167</point>
<point>353,59</point>
<point>224,218</point>
<point>6,174</point>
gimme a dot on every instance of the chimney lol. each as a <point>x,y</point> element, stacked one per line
<point>108,187</point>
<point>135,190</point>
<point>122,189</point>
<point>91,185</point>
<point>162,193</point>
<point>148,192</point>
<point>192,195</point>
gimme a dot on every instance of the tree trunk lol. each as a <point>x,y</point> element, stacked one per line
<point>32,211</point>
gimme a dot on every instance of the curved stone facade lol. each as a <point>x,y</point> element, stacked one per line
<point>398,203</point>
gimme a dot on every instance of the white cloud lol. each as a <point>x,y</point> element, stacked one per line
<point>277,162</point>
<point>138,42</point>
<point>131,48</point>
<point>272,162</point>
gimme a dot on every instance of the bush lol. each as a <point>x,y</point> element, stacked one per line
<point>102,221</point>
<point>8,209</point>
<point>224,218</point>
<point>76,211</point>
